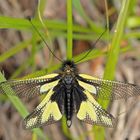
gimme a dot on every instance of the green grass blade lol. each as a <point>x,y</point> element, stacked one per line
<point>69,30</point>
<point>132,34</point>
<point>68,54</point>
<point>133,22</point>
<point>114,54</point>
<point>34,136</point>
<point>115,45</point>
<point>21,108</point>
<point>14,50</point>
<point>79,8</point>
<point>41,7</point>
<point>95,54</point>
<point>78,36</point>
<point>23,24</point>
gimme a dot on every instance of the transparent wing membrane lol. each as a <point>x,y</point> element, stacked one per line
<point>107,89</point>
<point>30,87</point>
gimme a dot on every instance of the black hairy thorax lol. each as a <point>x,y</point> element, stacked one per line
<point>68,72</point>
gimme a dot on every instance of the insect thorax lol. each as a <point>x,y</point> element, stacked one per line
<point>68,72</point>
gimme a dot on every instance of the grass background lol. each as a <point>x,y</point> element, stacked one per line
<point>69,30</point>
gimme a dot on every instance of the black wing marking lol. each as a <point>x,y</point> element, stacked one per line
<point>91,112</point>
<point>107,89</point>
<point>78,97</point>
<point>30,87</point>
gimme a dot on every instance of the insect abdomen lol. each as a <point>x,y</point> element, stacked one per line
<point>68,106</point>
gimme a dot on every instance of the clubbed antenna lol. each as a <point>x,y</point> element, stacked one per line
<point>92,48</point>
<point>30,20</point>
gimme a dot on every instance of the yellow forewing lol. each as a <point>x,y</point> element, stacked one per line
<point>88,76</point>
<point>39,79</point>
<point>108,89</point>
<point>30,87</point>
<point>47,76</point>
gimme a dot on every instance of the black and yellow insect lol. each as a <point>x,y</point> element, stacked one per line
<point>70,93</point>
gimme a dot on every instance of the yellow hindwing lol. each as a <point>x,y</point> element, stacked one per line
<point>91,112</point>
<point>46,112</point>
